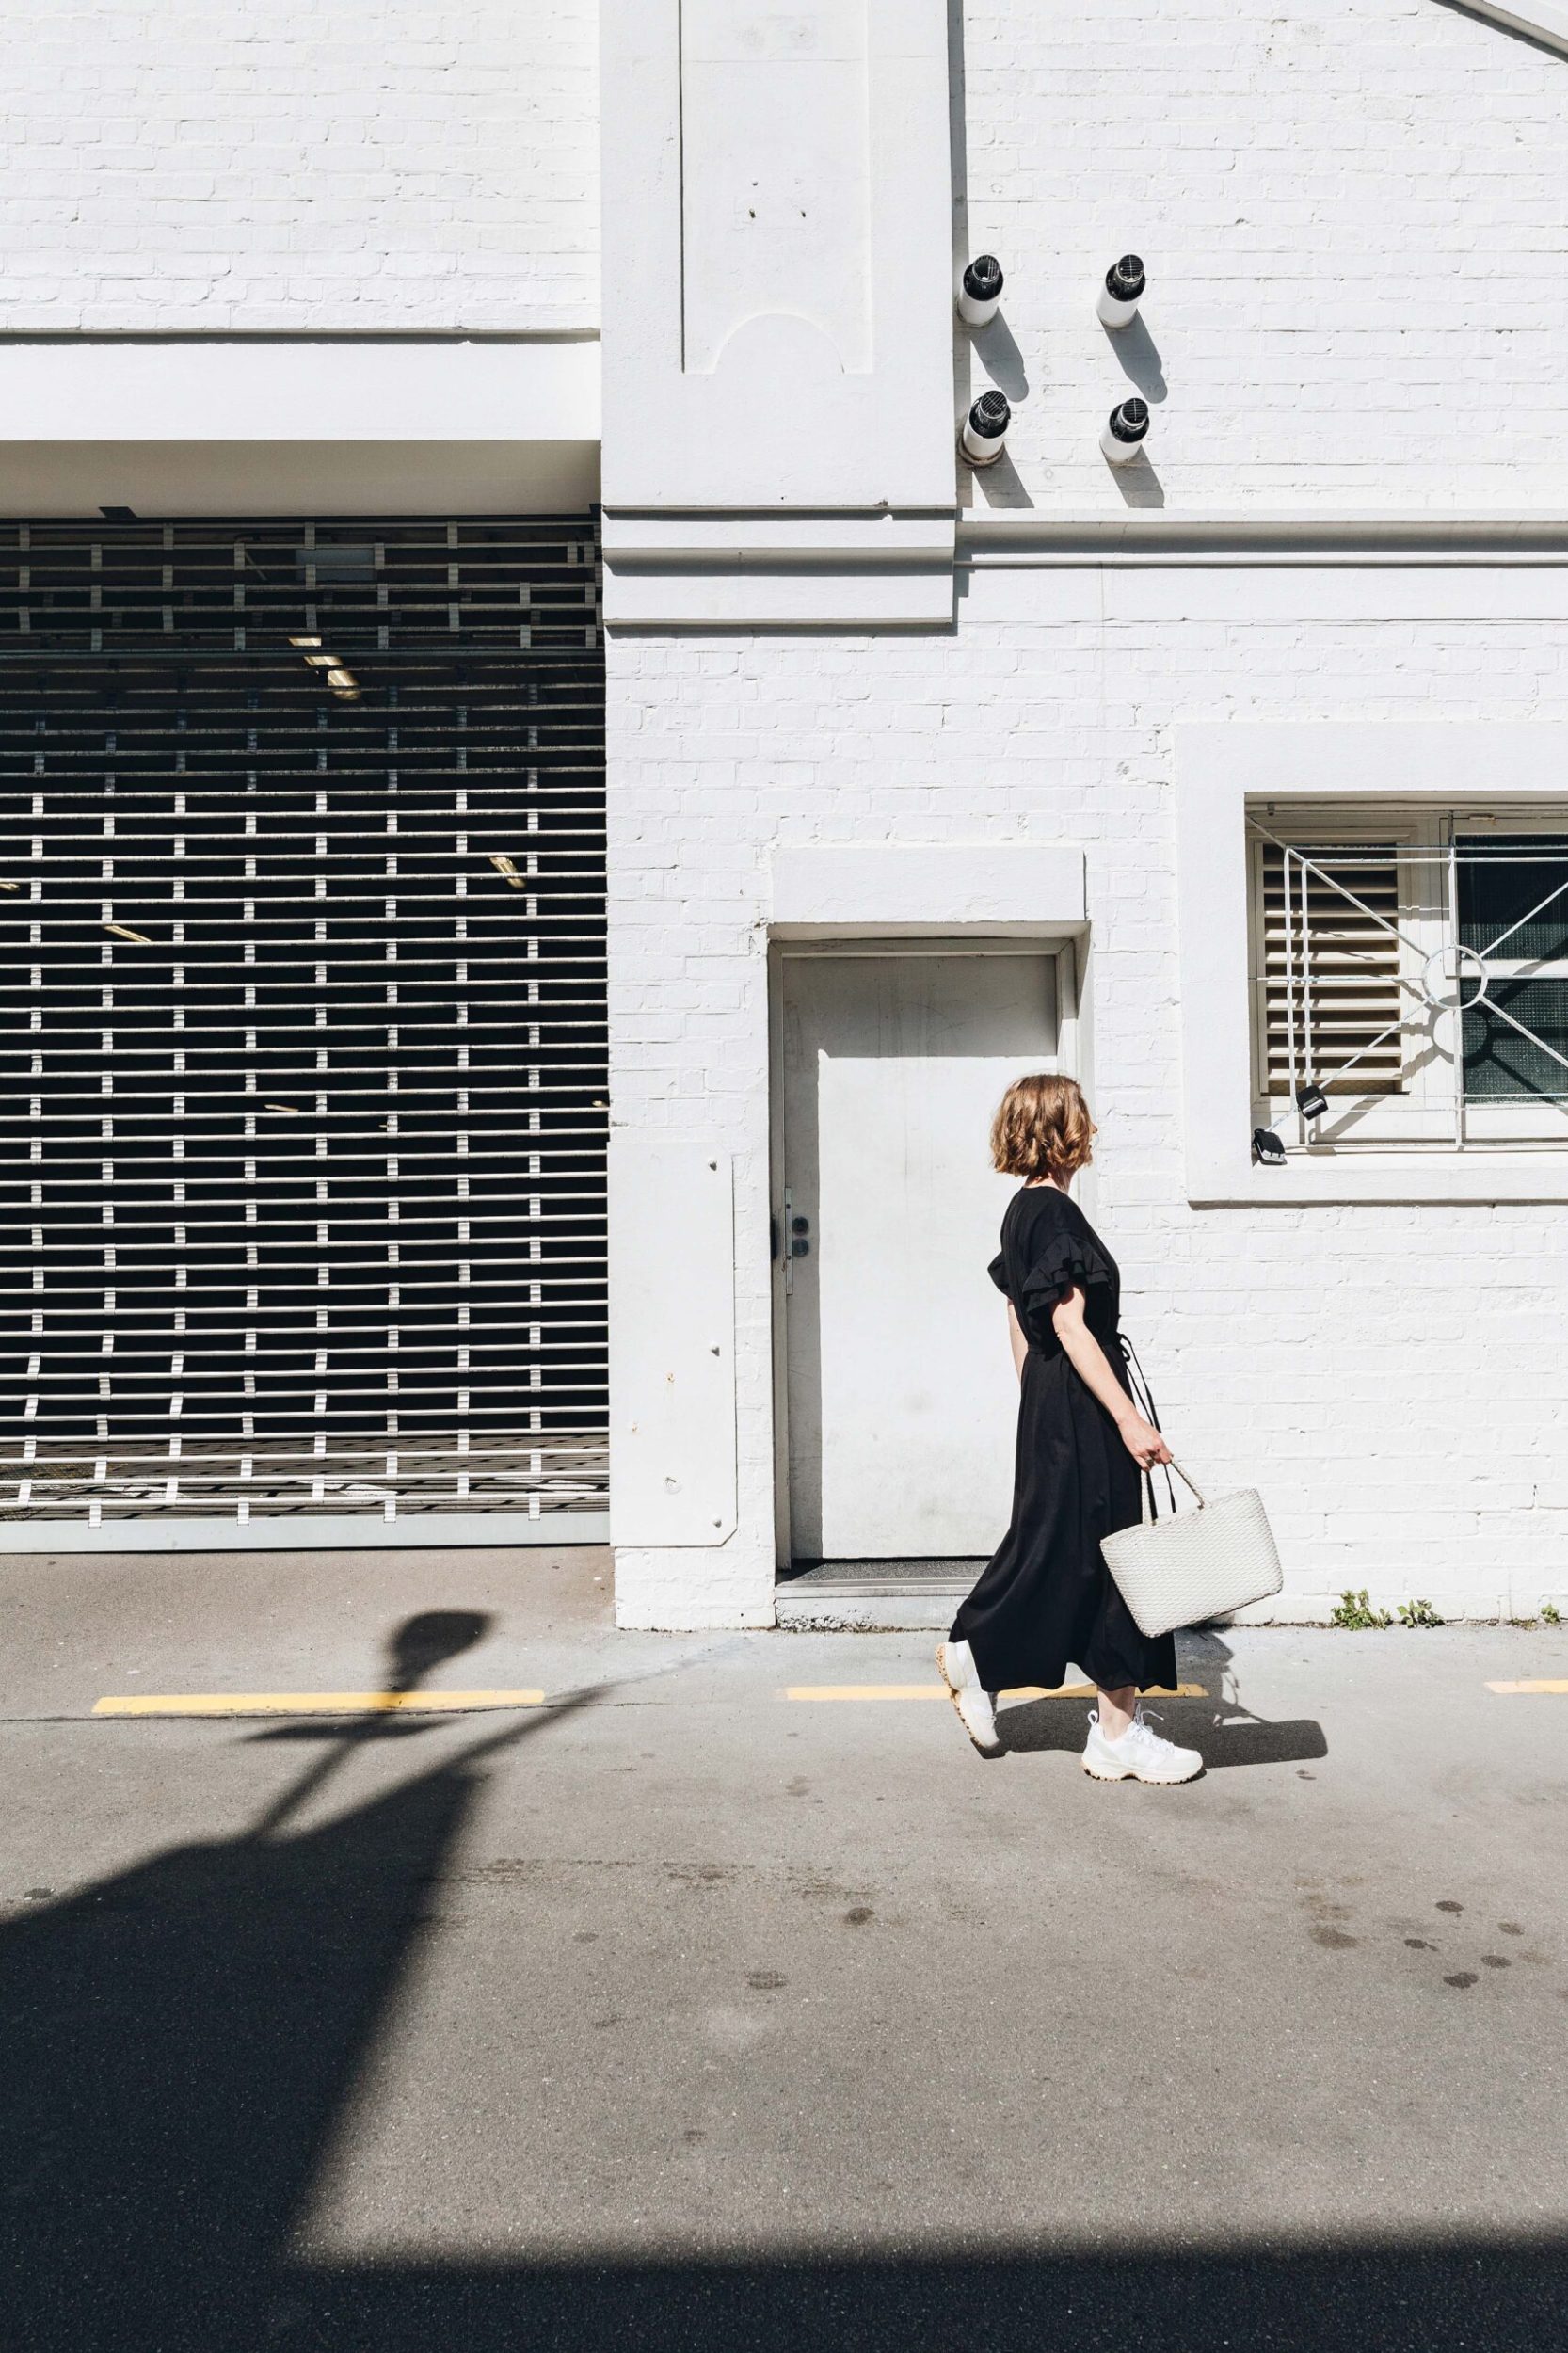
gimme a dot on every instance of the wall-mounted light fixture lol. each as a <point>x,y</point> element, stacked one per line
<point>1124,431</point>
<point>984,437</point>
<point>1266,1146</point>
<point>1117,303</point>
<point>979,290</point>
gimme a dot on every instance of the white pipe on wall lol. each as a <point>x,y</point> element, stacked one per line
<point>984,437</point>
<point>1119,297</point>
<point>979,290</point>
<point>1124,430</point>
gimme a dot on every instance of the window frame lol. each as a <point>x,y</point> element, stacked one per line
<point>1375,772</point>
<point>1429,1110</point>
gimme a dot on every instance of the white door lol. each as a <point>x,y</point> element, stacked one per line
<point>901,1392</point>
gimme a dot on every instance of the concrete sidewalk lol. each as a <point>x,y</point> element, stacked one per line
<point>681,2008</point>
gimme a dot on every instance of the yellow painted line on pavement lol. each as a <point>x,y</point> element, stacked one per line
<point>310,1703</point>
<point>1558,1685</point>
<point>939,1691</point>
<point>867,1691</point>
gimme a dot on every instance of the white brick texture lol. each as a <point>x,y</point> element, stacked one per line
<point>1388,1376</point>
<point>199,164</point>
<point>1352,218</point>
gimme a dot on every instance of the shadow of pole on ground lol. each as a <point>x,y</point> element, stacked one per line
<point>181,2038</point>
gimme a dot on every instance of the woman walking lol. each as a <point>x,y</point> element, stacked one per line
<point>1046,1597</point>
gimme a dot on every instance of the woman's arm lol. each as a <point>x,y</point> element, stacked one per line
<point>1088,1361</point>
<point>1018,1339</point>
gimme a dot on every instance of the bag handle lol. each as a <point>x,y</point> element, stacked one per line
<point>1138,1380</point>
<point>1202,1499</point>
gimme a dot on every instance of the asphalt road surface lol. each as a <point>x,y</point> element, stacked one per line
<point>716,1994</point>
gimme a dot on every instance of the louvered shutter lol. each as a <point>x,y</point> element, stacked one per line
<point>1330,971</point>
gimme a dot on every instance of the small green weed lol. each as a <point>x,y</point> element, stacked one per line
<point>1355,1612</point>
<point>1550,1613</point>
<point>1418,1613</point>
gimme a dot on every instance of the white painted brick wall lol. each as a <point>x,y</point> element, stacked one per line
<point>1352,222</point>
<point>200,164</point>
<point>1389,1376</point>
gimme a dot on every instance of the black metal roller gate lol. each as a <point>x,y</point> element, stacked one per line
<point>302,1028</point>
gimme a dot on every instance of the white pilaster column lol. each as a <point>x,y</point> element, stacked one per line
<point>778,452</point>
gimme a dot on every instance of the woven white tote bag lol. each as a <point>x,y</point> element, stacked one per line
<point>1195,1565</point>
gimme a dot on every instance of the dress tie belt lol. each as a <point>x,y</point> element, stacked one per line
<point>1143,1397</point>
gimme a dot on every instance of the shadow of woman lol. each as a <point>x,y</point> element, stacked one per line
<point>1226,1731</point>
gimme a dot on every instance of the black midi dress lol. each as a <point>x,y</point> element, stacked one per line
<point>1046,1597</point>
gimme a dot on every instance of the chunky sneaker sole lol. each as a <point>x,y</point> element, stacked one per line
<point>975,1712</point>
<point>1159,1775</point>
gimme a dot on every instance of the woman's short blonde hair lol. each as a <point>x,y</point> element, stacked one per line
<point>1043,1128</point>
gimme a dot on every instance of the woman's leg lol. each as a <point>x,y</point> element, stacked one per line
<point>1116,1709</point>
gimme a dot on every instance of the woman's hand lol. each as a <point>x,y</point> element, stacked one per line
<point>1143,1441</point>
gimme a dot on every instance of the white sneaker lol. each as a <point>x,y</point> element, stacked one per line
<point>1140,1754</point>
<point>976,1710</point>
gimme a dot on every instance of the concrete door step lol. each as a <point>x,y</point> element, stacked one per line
<point>874,1596</point>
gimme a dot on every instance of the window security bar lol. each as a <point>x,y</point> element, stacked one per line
<point>1412,991</point>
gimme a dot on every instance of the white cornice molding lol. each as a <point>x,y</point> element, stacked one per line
<point>1068,540</point>
<point>1543,20</point>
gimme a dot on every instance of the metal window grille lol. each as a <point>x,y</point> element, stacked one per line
<point>1420,987</point>
<point>303,1031</point>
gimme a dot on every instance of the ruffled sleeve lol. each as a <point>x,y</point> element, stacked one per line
<point>997,1272</point>
<point>1065,1256</point>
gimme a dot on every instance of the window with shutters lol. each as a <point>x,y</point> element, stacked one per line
<point>1409,976</point>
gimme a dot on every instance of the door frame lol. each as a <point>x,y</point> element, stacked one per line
<point>1068,953</point>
